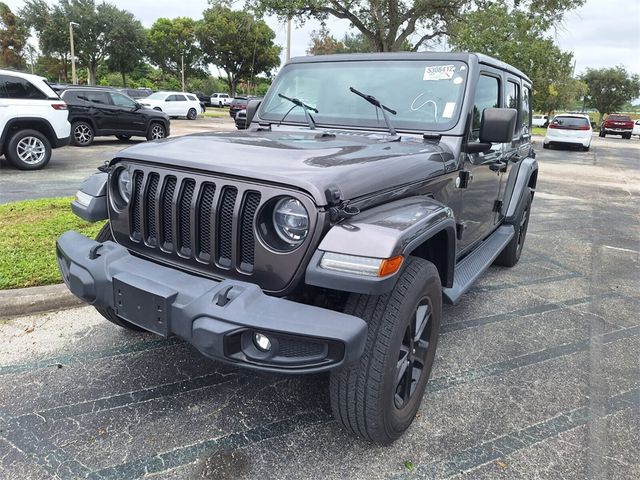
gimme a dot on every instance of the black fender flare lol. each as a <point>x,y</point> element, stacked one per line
<point>90,203</point>
<point>400,227</point>
<point>525,182</point>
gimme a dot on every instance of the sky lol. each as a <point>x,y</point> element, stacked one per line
<point>601,33</point>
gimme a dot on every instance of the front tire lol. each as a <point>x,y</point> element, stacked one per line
<point>82,134</point>
<point>378,398</point>
<point>511,253</point>
<point>192,114</point>
<point>105,235</point>
<point>28,150</point>
<point>156,131</point>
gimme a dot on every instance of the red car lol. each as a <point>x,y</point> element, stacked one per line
<point>616,124</point>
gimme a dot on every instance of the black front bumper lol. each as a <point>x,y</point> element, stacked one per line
<point>218,318</point>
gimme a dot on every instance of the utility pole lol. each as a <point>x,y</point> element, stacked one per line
<point>288,39</point>
<point>182,71</point>
<point>74,78</point>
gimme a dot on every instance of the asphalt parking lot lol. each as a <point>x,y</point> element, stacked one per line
<point>70,165</point>
<point>537,373</point>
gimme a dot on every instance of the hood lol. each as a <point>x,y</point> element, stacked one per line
<point>357,164</point>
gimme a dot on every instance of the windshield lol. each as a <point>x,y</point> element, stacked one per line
<point>427,95</point>
<point>157,96</point>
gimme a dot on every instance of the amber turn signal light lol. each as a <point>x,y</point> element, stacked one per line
<point>390,266</point>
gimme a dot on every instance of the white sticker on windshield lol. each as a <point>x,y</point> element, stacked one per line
<point>439,72</point>
<point>448,109</point>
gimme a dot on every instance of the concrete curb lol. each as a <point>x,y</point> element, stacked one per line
<point>25,301</point>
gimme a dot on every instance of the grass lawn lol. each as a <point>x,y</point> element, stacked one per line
<point>538,131</point>
<point>28,233</point>
<point>216,112</point>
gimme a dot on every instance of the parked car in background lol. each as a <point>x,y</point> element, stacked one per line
<point>219,99</point>
<point>616,124</point>
<point>33,120</point>
<point>241,120</point>
<point>237,104</point>
<point>569,130</point>
<point>204,99</point>
<point>636,128</point>
<point>540,120</point>
<point>95,112</point>
<point>174,104</point>
<point>136,93</point>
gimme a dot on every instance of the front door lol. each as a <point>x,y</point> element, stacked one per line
<point>127,119</point>
<point>478,216</point>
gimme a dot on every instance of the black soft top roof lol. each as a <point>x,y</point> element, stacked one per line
<point>464,57</point>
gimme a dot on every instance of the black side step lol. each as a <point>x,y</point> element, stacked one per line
<point>474,264</point>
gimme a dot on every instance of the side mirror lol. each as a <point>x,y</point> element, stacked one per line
<point>498,125</point>
<point>137,106</point>
<point>252,108</point>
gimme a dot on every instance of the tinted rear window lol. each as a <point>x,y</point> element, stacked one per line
<point>571,122</point>
<point>16,87</point>
<point>619,118</point>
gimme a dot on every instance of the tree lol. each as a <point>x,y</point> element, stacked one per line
<point>52,28</point>
<point>608,89</point>
<point>92,35</point>
<point>237,43</point>
<point>387,24</point>
<point>323,43</point>
<point>519,39</point>
<point>171,41</point>
<point>13,38</point>
<point>127,44</point>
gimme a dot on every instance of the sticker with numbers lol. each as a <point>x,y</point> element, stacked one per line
<point>439,72</point>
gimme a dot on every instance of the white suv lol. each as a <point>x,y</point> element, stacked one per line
<point>33,120</point>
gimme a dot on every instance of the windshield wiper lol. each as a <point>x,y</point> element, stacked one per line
<point>299,103</point>
<point>376,103</point>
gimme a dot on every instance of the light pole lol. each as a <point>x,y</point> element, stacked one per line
<point>74,79</point>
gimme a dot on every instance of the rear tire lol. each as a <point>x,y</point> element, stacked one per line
<point>81,134</point>
<point>601,134</point>
<point>585,149</point>
<point>378,398</point>
<point>627,136</point>
<point>28,150</point>
<point>545,145</point>
<point>105,235</point>
<point>192,114</point>
<point>511,253</point>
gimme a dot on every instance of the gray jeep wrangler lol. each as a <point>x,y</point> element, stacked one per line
<point>367,190</point>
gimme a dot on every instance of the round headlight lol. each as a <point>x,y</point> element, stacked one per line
<point>291,221</point>
<point>124,185</point>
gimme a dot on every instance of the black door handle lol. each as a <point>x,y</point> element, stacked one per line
<point>497,166</point>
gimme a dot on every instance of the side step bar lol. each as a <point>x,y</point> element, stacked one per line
<point>474,264</point>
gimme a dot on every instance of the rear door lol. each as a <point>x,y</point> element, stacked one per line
<point>98,106</point>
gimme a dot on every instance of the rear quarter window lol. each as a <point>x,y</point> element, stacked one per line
<point>20,88</point>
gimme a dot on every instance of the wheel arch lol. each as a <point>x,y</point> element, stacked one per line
<point>414,226</point>
<point>27,123</point>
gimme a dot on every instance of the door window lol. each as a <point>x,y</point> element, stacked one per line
<point>98,98</point>
<point>16,87</point>
<point>120,100</point>
<point>487,96</point>
<point>179,98</point>
<point>525,122</point>
<point>512,101</point>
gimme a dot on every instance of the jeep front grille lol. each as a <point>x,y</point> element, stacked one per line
<point>205,223</point>
<point>187,216</point>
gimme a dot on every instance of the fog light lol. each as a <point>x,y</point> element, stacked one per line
<point>261,342</point>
